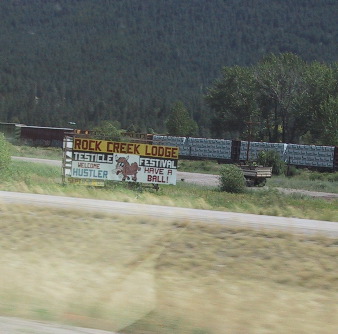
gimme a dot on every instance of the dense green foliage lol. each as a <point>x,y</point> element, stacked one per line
<point>108,131</point>
<point>283,98</point>
<point>5,156</point>
<point>232,179</point>
<point>271,159</point>
<point>180,123</point>
<point>87,61</point>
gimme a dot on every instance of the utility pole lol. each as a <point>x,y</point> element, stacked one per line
<point>249,124</point>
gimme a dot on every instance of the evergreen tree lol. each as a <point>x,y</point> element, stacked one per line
<point>108,131</point>
<point>180,123</point>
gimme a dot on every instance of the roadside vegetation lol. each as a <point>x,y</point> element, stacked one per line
<point>307,180</point>
<point>200,166</point>
<point>43,179</point>
<point>298,179</point>
<point>141,275</point>
<point>5,156</point>
<point>52,153</point>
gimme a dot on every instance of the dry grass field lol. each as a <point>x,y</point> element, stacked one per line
<point>137,275</point>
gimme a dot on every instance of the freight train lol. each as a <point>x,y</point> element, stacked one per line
<point>222,150</point>
<point>34,135</point>
<point>235,151</point>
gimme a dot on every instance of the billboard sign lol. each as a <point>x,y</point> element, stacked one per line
<point>102,160</point>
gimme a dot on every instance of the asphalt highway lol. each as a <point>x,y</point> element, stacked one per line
<point>292,225</point>
<point>20,326</point>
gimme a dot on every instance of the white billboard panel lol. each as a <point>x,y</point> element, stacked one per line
<point>107,160</point>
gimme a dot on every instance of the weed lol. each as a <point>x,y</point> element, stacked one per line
<point>4,153</point>
<point>305,181</point>
<point>333,177</point>
<point>316,176</point>
<point>271,159</point>
<point>199,166</point>
<point>291,171</point>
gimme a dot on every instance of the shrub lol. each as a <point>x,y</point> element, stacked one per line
<point>314,176</point>
<point>271,159</point>
<point>292,171</point>
<point>232,179</point>
<point>333,177</point>
<point>5,156</point>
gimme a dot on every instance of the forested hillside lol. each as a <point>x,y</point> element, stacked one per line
<point>130,60</point>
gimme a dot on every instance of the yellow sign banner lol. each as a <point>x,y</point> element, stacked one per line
<point>104,146</point>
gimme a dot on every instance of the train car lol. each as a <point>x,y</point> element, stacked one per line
<point>198,148</point>
<point>43,136</point>
<point>233,151</point>
<point>335,159</point>
<point>319,157</point>
<point>222,150</point>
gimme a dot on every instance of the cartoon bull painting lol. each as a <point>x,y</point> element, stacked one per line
<point>125,168</point>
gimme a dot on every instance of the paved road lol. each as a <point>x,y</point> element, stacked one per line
<point>42,161</point>
<point>19,326</point>
<point>293,225</point>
